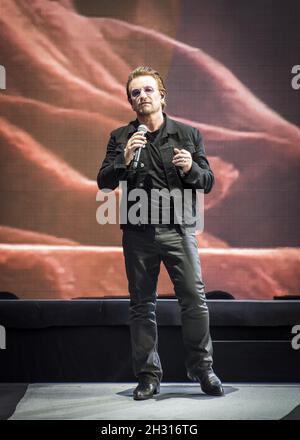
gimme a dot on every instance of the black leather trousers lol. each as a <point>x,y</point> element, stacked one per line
<point>143,252</point>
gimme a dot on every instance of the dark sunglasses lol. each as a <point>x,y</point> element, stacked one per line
<point>135,93</point>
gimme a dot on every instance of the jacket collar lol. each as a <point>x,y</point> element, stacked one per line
<point>170,127</point>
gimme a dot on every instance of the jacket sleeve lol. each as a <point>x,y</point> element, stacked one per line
<point>113,168</point>
<point>200,175</point>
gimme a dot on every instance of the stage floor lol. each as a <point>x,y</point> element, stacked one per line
<point>176,401</point>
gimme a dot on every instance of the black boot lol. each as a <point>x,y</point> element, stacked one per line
<point>146,389</point>
<point>209,382</point>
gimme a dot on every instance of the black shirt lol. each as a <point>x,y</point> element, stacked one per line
<point>158,202</point>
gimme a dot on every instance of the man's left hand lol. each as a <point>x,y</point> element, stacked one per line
<point>182,158</point>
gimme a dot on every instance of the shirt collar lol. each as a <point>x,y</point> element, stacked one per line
<point>169,126</point>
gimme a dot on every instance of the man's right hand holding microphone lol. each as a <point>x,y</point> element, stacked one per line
<point>137,140</point>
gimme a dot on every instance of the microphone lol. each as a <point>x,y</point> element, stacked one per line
<point>136,158</point>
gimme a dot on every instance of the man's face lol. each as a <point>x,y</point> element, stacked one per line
<point>145,103</point>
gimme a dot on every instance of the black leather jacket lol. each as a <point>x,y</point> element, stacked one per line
<point>175,134</point>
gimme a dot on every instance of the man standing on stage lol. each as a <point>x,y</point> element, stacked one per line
<point>169,156</point>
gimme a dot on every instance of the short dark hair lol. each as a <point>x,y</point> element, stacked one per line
<point>147,71</point>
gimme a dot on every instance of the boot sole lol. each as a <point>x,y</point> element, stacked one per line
<point>213,393</point>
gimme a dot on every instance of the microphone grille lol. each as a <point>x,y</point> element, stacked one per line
<point>142,128</point>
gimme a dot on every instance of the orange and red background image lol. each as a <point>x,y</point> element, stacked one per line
<point>227,67</point>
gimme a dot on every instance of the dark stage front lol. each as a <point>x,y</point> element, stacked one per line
<point>89,340</point>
